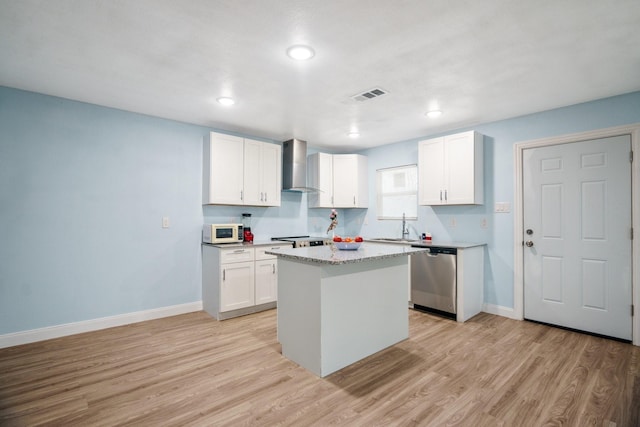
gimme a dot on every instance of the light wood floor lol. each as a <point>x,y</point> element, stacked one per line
<point>193,370</point>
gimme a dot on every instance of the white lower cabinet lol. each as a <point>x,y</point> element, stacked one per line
<point>237,288</point>
<point>238,280</point>
<point>266,277</point>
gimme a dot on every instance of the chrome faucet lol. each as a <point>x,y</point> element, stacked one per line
<point>405,230</point>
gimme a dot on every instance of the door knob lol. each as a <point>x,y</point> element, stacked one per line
<point>529,243</point>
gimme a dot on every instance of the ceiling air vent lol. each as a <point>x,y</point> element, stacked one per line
<point>370,94</point>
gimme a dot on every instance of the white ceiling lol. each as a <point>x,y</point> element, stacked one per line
<point>478,61</point>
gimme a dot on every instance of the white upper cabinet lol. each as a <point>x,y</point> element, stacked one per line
<point>341,178</point>
<point>451,170</point>
<point>223,169</point>
<point>262,173</point>
<point>239,171</point>
<point>350,188</point>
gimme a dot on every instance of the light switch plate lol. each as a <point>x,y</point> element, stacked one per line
<point>502,207</point>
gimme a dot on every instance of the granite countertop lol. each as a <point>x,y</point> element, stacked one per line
<point>329,254</point>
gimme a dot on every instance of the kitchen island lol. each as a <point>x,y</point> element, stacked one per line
<point>336,307</point>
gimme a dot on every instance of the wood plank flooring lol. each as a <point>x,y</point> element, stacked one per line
<point>192,370</point>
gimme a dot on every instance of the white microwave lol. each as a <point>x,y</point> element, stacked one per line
<point>222,233</point>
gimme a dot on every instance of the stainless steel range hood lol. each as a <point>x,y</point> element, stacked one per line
<point>294,166</point>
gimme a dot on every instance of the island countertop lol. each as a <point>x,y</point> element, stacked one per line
<point>329,254</point>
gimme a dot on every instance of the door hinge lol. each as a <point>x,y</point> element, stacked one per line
<point>631,233</point>
<point>632,310</point>
<point>631,156</point>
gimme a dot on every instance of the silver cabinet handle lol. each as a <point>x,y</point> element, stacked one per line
<point>354,200</point>
<point>274,268</point>
<point>238,251</point>
<point>275,247</point>
<point>445,195</point>
<point>224,274</point>
<point>241,195</point>
<point>440,195</point>
<point>265,196</point>
<point>261,196</point>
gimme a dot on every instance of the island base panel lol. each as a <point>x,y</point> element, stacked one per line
<point>330,316</point>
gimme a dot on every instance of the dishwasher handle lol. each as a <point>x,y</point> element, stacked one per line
<point>435,250</point>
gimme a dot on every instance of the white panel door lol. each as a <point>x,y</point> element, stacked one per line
<point>577,235</point>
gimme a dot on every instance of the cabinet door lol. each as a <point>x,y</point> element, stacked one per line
<point>320,176</point>
<point>271,174</point>
<point>266,281</point>
<point>362,176</point>
<point>223,170</point>
<point>431,172</point>
<point>458,158</point>
<point>237,286</point>
<point>262,173</point>
<point>252,165</point>
<point>464,159</point>
<point>345,180</point>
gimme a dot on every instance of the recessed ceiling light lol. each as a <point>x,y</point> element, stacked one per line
<point>433,114</point>
<point>354,134</point>
<point>226,100</point>
<point>300,52</point>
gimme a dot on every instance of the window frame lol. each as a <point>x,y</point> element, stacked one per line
<point>411,215</point>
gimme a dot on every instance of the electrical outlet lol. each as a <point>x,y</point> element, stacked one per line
<point>484,223</point>
<point>453,222</point>
<point>165,222</point>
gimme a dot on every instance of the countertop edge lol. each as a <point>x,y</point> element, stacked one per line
<point>422,244</point>
<point>247,245</point>
<point>336,261</point>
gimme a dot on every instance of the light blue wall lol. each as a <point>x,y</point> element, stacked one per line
<point>82,193</point>
<point>83,190</point>
<point>499,141</point>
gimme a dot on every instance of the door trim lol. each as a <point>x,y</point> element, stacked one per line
<point>518,264</point>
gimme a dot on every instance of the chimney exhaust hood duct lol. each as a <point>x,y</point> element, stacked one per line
<point>294,166</point>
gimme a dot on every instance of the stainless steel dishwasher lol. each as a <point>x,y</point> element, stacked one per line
<point>433,280</point>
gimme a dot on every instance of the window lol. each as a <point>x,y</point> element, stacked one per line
<point>397,190</point>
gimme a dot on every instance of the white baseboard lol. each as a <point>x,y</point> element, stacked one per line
<point>499,310</point>
<point>41,334</point>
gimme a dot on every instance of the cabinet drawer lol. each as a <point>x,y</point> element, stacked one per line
<point>261,249</point>
<point>236,255</point>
